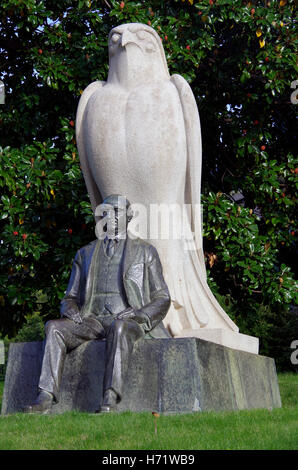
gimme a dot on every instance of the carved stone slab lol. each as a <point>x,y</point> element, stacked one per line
<point>180,375</point>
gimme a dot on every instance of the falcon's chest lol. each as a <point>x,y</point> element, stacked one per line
<point>137,134</point>
<point>127,119</point>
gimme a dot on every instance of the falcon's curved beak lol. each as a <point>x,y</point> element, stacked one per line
<point>127,38</point>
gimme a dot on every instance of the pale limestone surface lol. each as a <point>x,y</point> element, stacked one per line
<point>138,135</point>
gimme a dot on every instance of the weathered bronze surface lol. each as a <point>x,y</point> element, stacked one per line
<point>116,292</point>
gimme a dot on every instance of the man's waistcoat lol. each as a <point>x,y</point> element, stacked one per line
<point>143,283</point>
<point>107,294</point>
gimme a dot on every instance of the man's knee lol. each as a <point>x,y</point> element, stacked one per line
<point>51,326</point>
<point>118,327</point>
<point>127,327</point>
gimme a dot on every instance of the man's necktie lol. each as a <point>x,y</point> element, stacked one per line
<point>111,248</point>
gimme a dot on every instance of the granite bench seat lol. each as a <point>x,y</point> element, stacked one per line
<point>166,375</point>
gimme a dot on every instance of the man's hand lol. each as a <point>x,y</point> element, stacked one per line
<point>74,316</point>
<point>127,313</point>
<point>136,315</point>
<point>77,318</point>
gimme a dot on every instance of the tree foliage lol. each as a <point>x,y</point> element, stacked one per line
<point>239,58</point>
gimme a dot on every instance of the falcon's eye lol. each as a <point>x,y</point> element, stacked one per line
<point>146,39</point>
<point>115,38</point>
<point>150,46</point>
<point>141,34</point>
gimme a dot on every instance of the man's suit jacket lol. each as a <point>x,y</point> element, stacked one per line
<point>143,281</point>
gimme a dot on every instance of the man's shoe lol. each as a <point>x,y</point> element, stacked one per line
<point>109,402</point>
<point>42,405</point>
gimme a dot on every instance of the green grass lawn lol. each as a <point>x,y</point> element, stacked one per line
<point>248,429</point>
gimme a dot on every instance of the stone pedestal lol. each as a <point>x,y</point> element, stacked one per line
<point>225,337</point>
<point>180,375</point>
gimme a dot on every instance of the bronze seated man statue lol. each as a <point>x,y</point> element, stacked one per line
<point>116,292</point>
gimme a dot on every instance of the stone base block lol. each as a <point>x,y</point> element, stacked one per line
<point>229,338</point>
<point>166,375</point>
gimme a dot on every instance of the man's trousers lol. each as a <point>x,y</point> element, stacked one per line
<point>64,335</point>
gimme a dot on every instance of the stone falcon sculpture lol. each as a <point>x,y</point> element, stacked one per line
<point>138,134</point>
